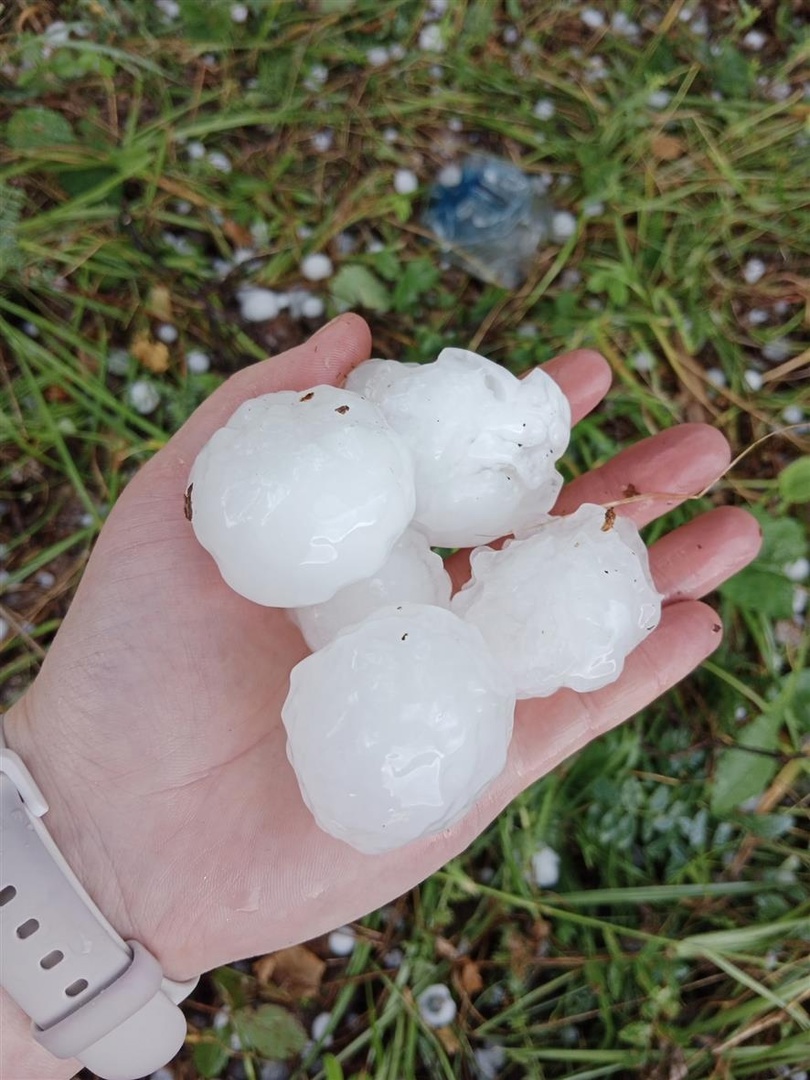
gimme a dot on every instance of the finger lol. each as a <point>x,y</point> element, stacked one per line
<point>692,561</point>
<point>583,376</point>
<point>548,730</point>
<point>327,357</point>
<point>668,468</point>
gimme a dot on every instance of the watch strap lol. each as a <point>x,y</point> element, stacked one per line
<point>89,994</point>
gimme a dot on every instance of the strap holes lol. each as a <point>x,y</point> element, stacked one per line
<point>7,895</point>
<point>76,988</point>
<point>26,929</point>
<point>51,960</point>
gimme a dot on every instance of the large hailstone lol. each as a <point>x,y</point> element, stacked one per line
<point>565,605</point>
<point>301,494</point>
<point>412,573</point>
<point>397,726</point>
<point>484,442</point>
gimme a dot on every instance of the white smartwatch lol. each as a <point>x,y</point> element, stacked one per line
<point>90,995</point>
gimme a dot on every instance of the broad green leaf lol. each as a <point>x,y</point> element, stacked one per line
<point>783,540</point>
<point>742,773</point>
<point>231,984</point>
<point>418,277</point>
<point>359,287</point>
<point>763,589</point>
<point>271,1031</point>
<point>37,128</point>
<point>794,481</point>
<point>210,1058</point>
<point>332,1067</point>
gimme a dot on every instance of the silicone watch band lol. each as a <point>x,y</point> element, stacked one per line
<point>90,995</point>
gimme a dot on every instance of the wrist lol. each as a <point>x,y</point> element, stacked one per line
<point>21,1056</point>
<point>87,819</point>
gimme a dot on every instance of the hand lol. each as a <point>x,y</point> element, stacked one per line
<point>154,726</point>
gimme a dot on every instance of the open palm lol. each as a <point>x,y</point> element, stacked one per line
<point>154,727</point>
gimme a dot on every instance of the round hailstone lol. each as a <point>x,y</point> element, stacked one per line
<point>412,573</point>
<point>397,726</point>
<point>565,605</point>
<point>484,443</point>
<point>317,267</point>
<point>301,494</point>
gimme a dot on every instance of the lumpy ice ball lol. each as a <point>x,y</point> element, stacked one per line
<point>484,442</point>
<point>397,726</point>
<point>301,494</point>
<point>565,605</point>
<point>412,573</point>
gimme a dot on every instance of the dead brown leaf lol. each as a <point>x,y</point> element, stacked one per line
<point>445,949</point>
<point>159,303</point>
<point>469,977</point>
<point>237,234</point>
<point>297,971</point>
<point>447,1038</point>
<point>154,355</point>
<point>667,147</point>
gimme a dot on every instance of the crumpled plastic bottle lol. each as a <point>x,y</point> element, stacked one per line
<point>489,217</point>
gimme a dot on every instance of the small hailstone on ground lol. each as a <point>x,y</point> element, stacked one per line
<point>563,225</point>
<point>257,304</point>
<point>431,38</point>
<point>415,709</point>
<point>378,55</point>
<point>393,959</point>
<point>118,361</point>
<point>623,25</point>
<point>316,267</point>
<point>659,99</point>
<point>566,604</point>
<point>793,414</point>
<point>322,141</point>
<point>166,333</point>
<point>195,150</point>
<point>777,350</point>
<point>752,379</point>
<point>544,109</point>
<point>436,1006</point>
<point>592,18</point>
<point>489,1060</point>
<point>197,362</point>
<point>316,77</point>
<point>717,377</point>
<point>239,13</point>
<point>342,942</point>
<point>312,307</point>
<point>319,1027</point>
<point>406,182</point>
<point>755,40</point>
<point>757,316</point>
<point>412,573</point>
<point>593,209</point>
<point>484,443</point>
<point>30,329</point>
<point>397,51</point>
<point>545,867</point>
<point>219,161</point>
<point>570,278</point>
<point>753,270</point>
<point>280,504</point>
<point>511,35</point>
<point>642,360</point>
<point>46,580</point>
<point>170,9</point>
<point>450,176</point>
<point>390,135</point>
<point>4,628</point>
<point>143,397</point>
<point>797,570</point>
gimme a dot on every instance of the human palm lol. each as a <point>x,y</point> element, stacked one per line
<point>154,727</point>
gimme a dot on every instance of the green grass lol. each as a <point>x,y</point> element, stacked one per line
<point>676,942</point>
